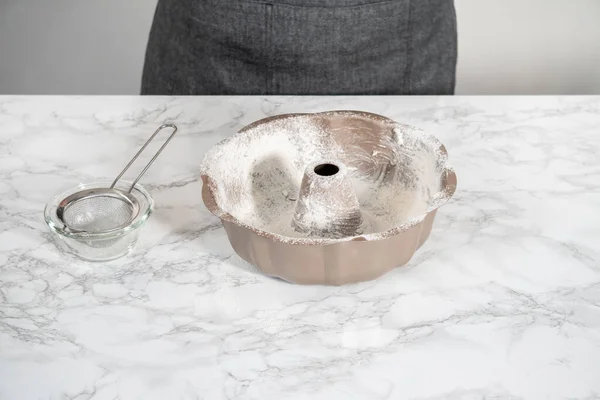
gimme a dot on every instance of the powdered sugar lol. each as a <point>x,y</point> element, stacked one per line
<point>394,170</point>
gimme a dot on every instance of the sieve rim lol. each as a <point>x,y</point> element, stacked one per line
<point>86,194</point>
<point>56,224</point>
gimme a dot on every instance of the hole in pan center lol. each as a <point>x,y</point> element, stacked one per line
<point>326,169</point>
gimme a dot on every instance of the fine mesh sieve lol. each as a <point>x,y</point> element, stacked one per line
<point>101,210</point>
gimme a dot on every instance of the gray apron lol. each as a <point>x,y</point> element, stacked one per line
<point>313,47</point>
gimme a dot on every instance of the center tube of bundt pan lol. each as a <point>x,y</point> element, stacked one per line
<point>327,205</point>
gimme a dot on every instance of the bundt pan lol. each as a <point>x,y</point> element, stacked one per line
<point>327,198</point>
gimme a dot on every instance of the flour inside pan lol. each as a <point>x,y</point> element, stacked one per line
<point>396,173</point>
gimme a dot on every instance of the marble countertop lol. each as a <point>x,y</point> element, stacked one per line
<point>502,301</point>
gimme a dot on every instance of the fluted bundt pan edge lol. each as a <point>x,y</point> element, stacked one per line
<point>279,162</point>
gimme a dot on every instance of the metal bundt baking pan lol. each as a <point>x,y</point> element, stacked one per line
<point>327,198</point>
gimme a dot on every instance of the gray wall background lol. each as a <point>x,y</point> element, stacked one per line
<point>97,46</point>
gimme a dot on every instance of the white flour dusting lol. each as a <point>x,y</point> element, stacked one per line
<point>396,174</point>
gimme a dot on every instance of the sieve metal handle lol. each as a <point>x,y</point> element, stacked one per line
<point>160,128</point>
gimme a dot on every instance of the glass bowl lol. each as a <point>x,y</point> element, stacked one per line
<point>101,246</point>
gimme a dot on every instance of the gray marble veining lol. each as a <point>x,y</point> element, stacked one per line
<point>503,300</point>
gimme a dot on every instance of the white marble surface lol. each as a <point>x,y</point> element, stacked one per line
<point>503,301</point>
